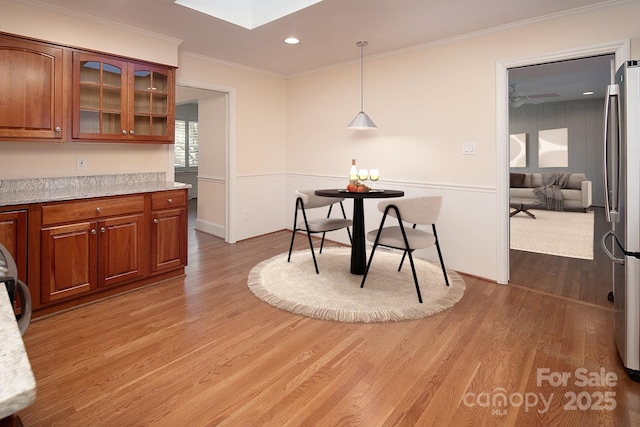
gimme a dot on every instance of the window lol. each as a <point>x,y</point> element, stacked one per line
<point>186,145</point>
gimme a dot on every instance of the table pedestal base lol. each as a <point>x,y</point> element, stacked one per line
<point>358,244</point>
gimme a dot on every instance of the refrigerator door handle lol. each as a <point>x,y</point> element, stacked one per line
<point>603,243</point>
<point>611,188</point>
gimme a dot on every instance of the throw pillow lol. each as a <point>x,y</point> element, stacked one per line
<point>516,180</point>
<point>575,181</point>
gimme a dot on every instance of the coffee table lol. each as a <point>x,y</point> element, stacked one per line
<point>523,205</point>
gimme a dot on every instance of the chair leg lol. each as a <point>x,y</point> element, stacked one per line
<point>415,277</point>
<point>375,245</point>
<point>293,235</point>
<point>366,271</point>
<point>315,263</point>
<point>299,205</point>
<point>444,271</point>
<point>344,215</point>
<point>404,254</point>
<point>322,242</point>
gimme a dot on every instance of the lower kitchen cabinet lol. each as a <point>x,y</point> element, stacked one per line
<point>81,250</point>
<point>81,257</point>
<point>168,238</point>
<point>90,244</point>
<point>13,236</point>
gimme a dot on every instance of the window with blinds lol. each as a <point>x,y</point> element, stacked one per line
<point>186,144</point>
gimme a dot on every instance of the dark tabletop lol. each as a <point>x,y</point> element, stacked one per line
<point>374,194</point>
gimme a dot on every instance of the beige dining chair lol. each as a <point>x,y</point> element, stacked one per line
<point>305,200</point>
<point>416,211</point>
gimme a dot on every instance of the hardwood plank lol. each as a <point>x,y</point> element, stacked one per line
<point>202,350</point>
<point>583,280</point>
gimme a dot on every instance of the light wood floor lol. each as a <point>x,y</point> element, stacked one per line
<point>202,350</point>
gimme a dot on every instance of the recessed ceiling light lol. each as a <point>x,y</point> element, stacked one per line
<point>588,93</point>
<point>291,40</point>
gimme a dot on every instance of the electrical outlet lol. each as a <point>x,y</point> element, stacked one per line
<point>246,214</point>
<point>81,163</point>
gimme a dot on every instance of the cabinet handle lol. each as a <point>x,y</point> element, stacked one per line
<point>155,221</point>
<point>132,132</point>
<point>58,129</point>
<point>102,229</point>
<point>170,201</point>
<point>124,132</point>
<point>98,209</point>
<point>93,231</point>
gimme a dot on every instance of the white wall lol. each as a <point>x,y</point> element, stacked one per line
<point>212,119</point>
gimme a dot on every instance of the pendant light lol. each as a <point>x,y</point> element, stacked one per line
<point>362,121</point>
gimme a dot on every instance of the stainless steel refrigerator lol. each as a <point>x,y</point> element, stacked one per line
<point>622,208</point>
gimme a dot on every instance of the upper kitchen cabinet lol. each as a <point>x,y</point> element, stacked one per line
<point>153,100</point>
<point>122,101</point>
<point>31,89</point>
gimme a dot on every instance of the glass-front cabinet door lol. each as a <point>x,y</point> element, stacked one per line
<point>99,97</point>
<point>153,102</point>
<point>122,101</point>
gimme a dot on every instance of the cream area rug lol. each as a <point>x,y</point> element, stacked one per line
<point>335,293</point>
<point>566,233</point>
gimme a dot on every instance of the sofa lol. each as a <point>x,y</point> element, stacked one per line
<point>575,189</point>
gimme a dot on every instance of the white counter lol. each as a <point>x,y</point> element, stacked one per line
<point>17,383</point>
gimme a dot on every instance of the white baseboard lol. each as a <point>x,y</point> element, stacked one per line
<point>210,228</point>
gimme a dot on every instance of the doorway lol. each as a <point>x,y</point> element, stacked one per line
<point>566,98</point>
<point>621,52</point>
<point>215,176</point>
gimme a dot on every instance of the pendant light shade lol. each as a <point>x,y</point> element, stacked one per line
<point>362,121</point>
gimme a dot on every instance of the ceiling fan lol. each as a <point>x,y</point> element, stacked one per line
<point>518,99</point>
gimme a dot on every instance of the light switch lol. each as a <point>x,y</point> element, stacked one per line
<point>468,148</point>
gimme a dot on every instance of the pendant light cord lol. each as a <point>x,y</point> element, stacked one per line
<point>362,44</point>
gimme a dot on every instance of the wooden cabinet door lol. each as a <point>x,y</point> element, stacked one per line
<point>100,101</point>
<point>121,249</point>
<point>68,260</point>
<point>152,97</point>
<point>13,236</point>
<point>31,89</point>
<point>168,239</point>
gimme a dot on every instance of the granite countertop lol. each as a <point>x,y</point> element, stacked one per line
<point>18,385</point>
<point>41,190</point>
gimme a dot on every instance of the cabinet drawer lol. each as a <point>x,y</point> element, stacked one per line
<point>91,209</point>
<point>168,199</point>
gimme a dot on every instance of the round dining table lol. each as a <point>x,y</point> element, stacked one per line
<point>358,244</point>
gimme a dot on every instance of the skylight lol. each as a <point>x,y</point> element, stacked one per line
<point>249,14</point>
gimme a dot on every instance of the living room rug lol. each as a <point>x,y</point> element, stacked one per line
<point>566,233</point>
<point>335,293</point>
